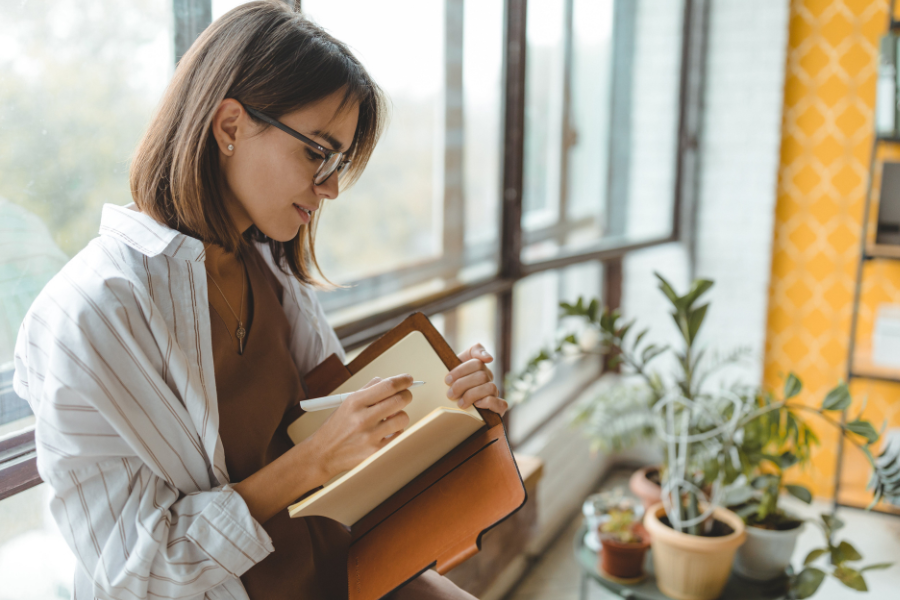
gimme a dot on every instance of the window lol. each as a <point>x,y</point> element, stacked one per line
<point>535,323</point>
<point>528,151</point>
<point>27,531</point>
<point>426,209</point>
<point>79,84</point>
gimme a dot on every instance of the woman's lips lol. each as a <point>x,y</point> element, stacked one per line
<point>305,213</point>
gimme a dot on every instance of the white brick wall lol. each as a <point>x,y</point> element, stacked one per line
<point>655,94</point>
<point>738,169</point>
<point>654,116</point>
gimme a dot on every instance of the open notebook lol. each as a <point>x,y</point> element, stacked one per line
<point>436,427</point>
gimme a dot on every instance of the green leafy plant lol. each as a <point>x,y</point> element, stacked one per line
<point>888,471</point>
<point>620,415</point>
<point>736,443</point>
<point>839,554</point>
<point>776,437</point>
<point>624,413</point>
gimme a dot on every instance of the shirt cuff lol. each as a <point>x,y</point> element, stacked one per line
<point>227,532</point>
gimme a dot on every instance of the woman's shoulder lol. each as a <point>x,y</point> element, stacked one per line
<point>95,281</point>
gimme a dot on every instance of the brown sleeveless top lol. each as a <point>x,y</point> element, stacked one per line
<point>255,390</point>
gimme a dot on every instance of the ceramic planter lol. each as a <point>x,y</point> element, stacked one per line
<point>766,553</point>
<point>643,488</point>
<point>624,561</point>
<point>692,567</point>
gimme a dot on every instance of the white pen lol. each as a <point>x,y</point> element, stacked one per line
<point>334,401</point>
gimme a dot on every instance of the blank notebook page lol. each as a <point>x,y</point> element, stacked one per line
<point>414,355</point>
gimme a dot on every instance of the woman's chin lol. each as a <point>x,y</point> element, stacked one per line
<point>280,232</point>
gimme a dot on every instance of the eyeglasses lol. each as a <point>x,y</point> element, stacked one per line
<point>332,163</point>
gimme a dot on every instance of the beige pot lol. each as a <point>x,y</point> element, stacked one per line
<point>691,567</point>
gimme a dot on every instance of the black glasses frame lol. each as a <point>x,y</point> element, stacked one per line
<point>321,175</point>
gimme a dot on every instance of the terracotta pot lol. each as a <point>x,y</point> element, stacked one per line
<point>766,554</point>
<point>693,567</point>
<point>625,561</point>
<point>650,493</point>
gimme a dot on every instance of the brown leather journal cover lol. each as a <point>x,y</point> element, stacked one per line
<point>437,520</point>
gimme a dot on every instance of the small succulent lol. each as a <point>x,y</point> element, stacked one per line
<point>620,526</point>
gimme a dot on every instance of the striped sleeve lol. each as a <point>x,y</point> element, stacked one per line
<point>132,492</point>
<point>137,537</point>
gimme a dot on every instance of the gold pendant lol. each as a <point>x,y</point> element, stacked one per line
<point>240,333</point>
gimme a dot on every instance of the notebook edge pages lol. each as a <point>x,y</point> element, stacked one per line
<point>333,486</point>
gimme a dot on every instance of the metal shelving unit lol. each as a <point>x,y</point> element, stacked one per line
<point>859,364</point>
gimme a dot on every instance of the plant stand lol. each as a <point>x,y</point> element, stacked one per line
<point>859,360</point>
<point>737,588</point>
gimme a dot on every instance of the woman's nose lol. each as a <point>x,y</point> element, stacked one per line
<point>328,188</point>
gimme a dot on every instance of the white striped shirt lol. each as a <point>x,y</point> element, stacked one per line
<point>115,358</point>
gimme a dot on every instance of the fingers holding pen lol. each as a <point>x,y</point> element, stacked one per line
<point>379,390</point>
<point>366,421</point>
<point>390,406</point>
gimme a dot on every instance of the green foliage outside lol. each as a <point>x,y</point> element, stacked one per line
<point>78,83</point>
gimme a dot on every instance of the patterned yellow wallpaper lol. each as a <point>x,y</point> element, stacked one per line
<point>826,146</point>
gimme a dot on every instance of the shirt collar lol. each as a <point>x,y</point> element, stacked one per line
<point>147,235</point>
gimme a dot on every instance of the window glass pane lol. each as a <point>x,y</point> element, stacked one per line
<point>483,116</point>
<point>35,562</point>
<point>590,173</point>
<point>469,324</point>
<point>654,117</point>
<point>588,155</point>
<point>536,325</point>
<point>392,216</point>
<point>78,82</point>
<point>544,102</point>
<point>424,215</point>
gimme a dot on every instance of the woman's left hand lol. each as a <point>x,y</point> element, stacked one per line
<point>473,383</point>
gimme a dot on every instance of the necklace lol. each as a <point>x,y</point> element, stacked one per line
<point>240,333</point>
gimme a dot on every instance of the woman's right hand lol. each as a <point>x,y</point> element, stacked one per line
<point>362,424</point>
<point>352,433</point>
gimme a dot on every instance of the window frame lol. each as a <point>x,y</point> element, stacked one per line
<point>18,464</point>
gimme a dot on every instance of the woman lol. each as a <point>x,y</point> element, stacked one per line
<point>160,362</point>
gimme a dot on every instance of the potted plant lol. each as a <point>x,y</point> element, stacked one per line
<point>597,508</point>
<point>645,484</point>
<point>625,542</point>
<point>619,415</point>
<point>771,532</point>
<point>706,435</point>
<point>775,438</point>
<point>693,539</point>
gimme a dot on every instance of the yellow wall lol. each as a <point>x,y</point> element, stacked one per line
<point>826,145</point>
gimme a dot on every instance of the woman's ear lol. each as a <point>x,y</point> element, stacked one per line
<point>226,122</point>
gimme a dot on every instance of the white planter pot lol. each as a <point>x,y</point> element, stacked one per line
<point>766,553</point>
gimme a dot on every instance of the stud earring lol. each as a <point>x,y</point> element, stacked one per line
<point>230,146</point>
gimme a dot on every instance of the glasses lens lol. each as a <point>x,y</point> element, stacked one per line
<point>328,167</point>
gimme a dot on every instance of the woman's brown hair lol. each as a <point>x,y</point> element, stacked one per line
<point>269,57</point>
